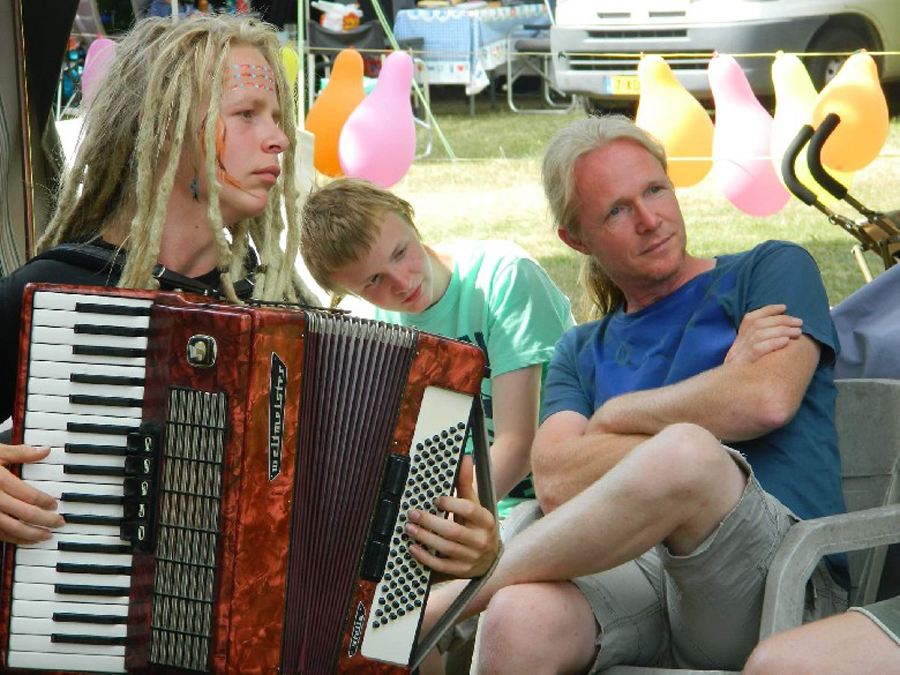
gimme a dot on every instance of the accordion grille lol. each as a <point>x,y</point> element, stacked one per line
<point>188,529</point>
<point>354,375</point>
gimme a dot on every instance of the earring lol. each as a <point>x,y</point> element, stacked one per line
<point>195,188</point>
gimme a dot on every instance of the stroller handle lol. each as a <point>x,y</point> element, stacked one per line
<point>814,157</point>
<point>799,190</point>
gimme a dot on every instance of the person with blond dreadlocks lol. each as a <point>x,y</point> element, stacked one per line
<point>185,161</point>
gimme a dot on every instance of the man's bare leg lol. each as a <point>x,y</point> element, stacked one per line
<point>846,644</point>
<point>674,488</point>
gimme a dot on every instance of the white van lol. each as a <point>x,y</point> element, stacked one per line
<point>596,44</point>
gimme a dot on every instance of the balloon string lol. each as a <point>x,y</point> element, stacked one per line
<point>611,55</point>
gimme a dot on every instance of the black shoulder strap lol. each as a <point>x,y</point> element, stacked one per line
<point>99,259</point>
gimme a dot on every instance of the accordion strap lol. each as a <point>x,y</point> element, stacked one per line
<point>99,259</point>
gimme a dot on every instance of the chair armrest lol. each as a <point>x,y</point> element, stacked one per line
<point>803,546</point>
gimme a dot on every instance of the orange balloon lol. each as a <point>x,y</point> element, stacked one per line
<point>855,94</point>
<point>343,93</point>
<point>676,119</point>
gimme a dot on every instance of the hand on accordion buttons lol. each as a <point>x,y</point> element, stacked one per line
<point>467,542</point>
<point>26,514</point>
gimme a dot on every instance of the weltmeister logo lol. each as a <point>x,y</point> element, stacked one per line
<point>277,393</point>
<point>359,622</point>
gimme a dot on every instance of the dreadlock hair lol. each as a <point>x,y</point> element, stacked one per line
<point>339,225</point>
<point>569,145</point>
<point>148,111</point>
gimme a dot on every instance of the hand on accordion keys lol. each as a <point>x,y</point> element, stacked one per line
<point>467,542</point>
<point>26,514</point>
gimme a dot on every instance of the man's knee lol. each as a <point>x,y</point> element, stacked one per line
<point>522,622</point>
<point>777,656</point>
<point>685,460</point>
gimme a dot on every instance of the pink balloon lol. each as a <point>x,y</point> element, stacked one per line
<point>378,141</point>
<point>742,166</point>
<point>97,61</point>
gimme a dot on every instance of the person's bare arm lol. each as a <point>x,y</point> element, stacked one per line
<point>516,397</point>
<point>567,458</point>
<point>26,514</point>
<point>735,401</point>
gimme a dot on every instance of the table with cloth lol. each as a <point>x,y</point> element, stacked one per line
<point>464,43</point>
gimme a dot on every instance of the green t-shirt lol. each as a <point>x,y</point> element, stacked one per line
<point>502,300</point>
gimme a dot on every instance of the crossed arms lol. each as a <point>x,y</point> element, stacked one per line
<point>758,389</point>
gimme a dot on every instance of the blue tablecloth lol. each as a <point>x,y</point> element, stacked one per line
<point>465,42</point>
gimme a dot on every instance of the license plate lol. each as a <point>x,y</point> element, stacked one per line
<point>621,85</point>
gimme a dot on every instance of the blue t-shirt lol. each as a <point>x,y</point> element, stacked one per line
<point>690,331</point>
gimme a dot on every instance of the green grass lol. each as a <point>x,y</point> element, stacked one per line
<point>492,191</point>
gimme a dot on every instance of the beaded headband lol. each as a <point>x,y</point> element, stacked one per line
<point>247,75</point>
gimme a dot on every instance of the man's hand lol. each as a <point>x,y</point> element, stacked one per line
<point>26,514</point>
<point>764,330</point>
<point>467,543</point>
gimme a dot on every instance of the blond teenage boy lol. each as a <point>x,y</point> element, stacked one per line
<point>359,239</point>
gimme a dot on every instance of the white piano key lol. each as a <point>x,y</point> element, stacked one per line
<point>26,574</point>
<point>63,387</point>
<point>68,301</point>
<point>36,609</point>
<point>64,354</point>
<point>68,319</point>
<point>37,643</point>
<point>56,488</point>
<point>64,370</point>
<point>81,528</point>
<point>63,406</point>
<point>50,558</point>
<point>66,662</point>
<point>46,593</point>
<point>50,335</point>
<point>60,456</point>
<point>81,508</point>
<point>50,421</point>
<point>54,473</point>
<point>35,626</point>
<point>52,544</point>
<point>57,438</point>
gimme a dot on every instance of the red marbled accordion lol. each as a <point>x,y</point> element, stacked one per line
<point>320,415</point>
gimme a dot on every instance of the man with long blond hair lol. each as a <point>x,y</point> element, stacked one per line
<point>185,161</point>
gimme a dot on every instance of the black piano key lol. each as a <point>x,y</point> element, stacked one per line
<point>87,639</point>
<point>81,470</point>
<point>91,428</point>
<point>105,591</point>
<point>83,568</point>
<point>91,449</point>
<point>118,310</point>
<point>105,619</point>
<point>113,380</point>
<point>91,499</point>
<point>108,401</point>
<point>99,350</point>
<point>117,331</point>
<point>84,547</point>
<point>91,519</point>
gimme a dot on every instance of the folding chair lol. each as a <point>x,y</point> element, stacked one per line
<point>528,53</point>
<point>325,44</point>
<point>868,428</point>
